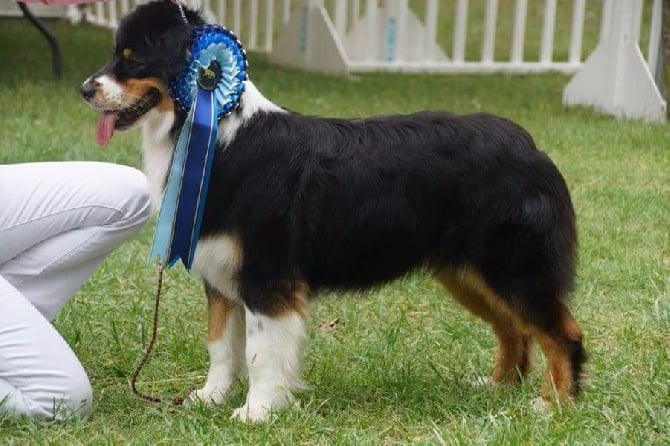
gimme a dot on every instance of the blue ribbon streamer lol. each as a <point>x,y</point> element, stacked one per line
<point>180,217</point>
<point>182,209</point>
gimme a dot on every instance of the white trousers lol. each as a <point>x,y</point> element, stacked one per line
<point>58,221</point>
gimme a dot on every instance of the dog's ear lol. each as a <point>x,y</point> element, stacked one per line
<point>171,49</point>
<point>194,16</point>
<point>158,37</point>
<point>173,41</point>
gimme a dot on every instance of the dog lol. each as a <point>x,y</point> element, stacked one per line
<point>297,204</point>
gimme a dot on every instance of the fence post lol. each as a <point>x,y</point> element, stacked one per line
<point>269,24</point>
<point>577,31</point>
<point>431,30</point>
<point>655,36</point>
<point>237,18</point>
<point>458,52</point>
<point>252,40</point>
<point>371,23</point>
<point>520,13</point>
<point>489,45</point>
<point>390,36</point>
<point>615,79</point>
<point>286,11</point>
<point>309,40</point>
<point>548,25</point>
<point>341,17</point>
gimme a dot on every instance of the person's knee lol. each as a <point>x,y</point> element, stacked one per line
<point>79,399</point>
<point>76,401</point>
<point>134,187</point>
<point>60,401</point>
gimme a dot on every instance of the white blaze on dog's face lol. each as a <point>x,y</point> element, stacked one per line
<point>149,50</point>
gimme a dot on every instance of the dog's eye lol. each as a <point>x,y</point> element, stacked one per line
<point>135,64</point>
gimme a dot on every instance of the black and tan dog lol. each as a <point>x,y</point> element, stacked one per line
<point>297,204</point>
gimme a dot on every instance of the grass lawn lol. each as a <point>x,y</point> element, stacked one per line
<point>398,368</point>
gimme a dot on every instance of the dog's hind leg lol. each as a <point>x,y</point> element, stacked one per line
<point>513,357</point>
<point>225,343</point>
<point>561,340</point>
<point>274,354</point>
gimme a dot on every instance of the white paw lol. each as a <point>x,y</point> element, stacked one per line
<point>208,397</point>
<point>540,405</point>
<point>253,414</point>
<point>484,381</point>
<point>258,410</point>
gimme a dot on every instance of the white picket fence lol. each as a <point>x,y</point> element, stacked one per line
<point>347,36</point>
<point>255,22</point>
<point>391,35</point>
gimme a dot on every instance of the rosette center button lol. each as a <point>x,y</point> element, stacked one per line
<point>209,77</point>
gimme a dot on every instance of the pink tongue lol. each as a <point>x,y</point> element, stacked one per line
<point>105,128</point>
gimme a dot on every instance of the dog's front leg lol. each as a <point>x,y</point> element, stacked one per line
<point>274,362</point>
<point>225,343</point>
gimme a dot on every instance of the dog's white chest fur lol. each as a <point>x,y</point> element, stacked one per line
<point>217,257</point>
<point>217,260</point>
<point>157,146</point>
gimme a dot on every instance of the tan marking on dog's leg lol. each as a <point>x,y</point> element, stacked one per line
<point>291,296</point>
<point>557,377</point>
<point>513,357</point>
<point>225,343</point>
<point>565,357</point>
<point>576,352</point>
<point>219,310</point>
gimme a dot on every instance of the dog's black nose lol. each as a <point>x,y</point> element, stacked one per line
<point>88,90</point>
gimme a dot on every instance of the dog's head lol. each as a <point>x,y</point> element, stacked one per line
<point>151,47</point>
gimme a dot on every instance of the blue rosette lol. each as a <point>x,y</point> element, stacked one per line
<point>209,88</point>
<point>212,44</point>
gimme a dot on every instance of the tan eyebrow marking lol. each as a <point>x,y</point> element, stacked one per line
<point>127,52</point>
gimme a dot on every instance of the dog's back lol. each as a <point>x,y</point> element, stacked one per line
<point>358,202</point>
